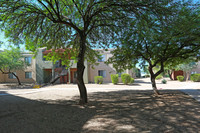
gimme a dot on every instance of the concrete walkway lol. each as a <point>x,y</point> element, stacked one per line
<point>190,88</point>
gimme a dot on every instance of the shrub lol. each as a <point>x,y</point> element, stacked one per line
<point>114,78</point>
<point>132,80</point>
<point>180,78</point>
<point>164,81</point>
<point>195,77</point>
<point>126,78</point>
<point>159,76</point>
<point>98,79</point>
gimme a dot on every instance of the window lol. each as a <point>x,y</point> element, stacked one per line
<point>102,59</point>
<point>28,60</point>
<point>102,73</point>
<point>11,76</point>
<point>28,75</point>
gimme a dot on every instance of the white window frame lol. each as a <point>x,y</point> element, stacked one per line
<point>29,75</point>
<point>28,60</point>
<point>102,74</point>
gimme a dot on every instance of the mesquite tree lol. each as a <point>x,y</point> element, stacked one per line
<point>159,42</point>
<point>56,23</point>
<point>10,61</point>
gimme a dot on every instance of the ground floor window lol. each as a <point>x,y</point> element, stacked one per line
<point>11,76</point>
<point>28,75</point>
<point>102,73</point>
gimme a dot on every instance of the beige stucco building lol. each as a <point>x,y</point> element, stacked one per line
<point>103,69</point>
<point>41,71</point>
<point>28,75</point>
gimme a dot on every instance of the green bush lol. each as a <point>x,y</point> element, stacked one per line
<point>159,77</point>
<point>180,78</point>
<point>164,81</point>
<point>195,77</point>
<point>126,78</point>
<point>132,80</point>
<point>114,78</point>
<point>98,79</point>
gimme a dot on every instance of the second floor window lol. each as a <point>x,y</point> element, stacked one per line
<point>28,60</point>
<point>102,59</point>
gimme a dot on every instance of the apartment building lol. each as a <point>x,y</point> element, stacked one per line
<point>105,70</point>
<point>42,71</point>
<point>28,75</point>
<point>197,69</point>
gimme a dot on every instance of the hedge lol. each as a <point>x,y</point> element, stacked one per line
<point>195,77</point>
<point>132,80</point>
<point>98,79</point>
<point>180,78</point>
<point>114,78</point>
<point>126,78</point>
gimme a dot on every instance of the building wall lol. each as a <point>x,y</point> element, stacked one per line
<point>197,69</point>
<point>41,65</point>
<point>93,70</point>
<point>21,73</point>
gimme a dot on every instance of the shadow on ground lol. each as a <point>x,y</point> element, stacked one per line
<point>119,112</point>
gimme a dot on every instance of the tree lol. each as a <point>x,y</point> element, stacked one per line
<point>56,23</point>
<point>10,61</point>
<point>158,42</point>
<point>187,67</point>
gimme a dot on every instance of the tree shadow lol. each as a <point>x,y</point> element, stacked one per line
<point>141,111</point>
<point>21,115</point>
<point>117,111</point>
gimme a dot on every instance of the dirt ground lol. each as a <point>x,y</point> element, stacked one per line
<point>114,111</point>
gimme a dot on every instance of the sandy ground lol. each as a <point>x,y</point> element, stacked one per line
<point>111,108</point>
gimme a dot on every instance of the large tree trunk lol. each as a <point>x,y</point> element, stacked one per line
<point>17,78</point>
<point>170,74</point>
<point>153,83</point>
<point>153,78</point>
<point>80,71</point>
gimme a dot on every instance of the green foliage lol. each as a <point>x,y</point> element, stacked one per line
<point>98,79</point>
<point>164,81</point>
<point>126,78</point>
<point>180,78</point>
<point>187,65</point>
<point>195,77</point>
<point>132,80</point>
<point>11,60</point>
<point>114,78</point>
<point>159,76</point>
<point>159,42</point>
<point>147,76</point>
